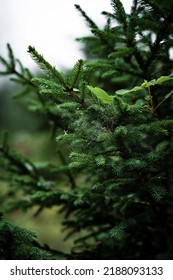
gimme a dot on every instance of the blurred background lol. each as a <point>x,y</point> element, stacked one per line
<point>51,27</point>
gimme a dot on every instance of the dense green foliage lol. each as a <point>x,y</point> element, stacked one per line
<point>111,116</point>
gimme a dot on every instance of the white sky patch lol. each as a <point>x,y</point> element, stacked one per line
<point>171,53</point>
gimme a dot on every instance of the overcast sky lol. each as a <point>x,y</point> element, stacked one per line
<point>51,26</point>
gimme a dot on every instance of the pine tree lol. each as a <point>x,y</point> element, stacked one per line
<point>19,244</point>
<point>114,113</point>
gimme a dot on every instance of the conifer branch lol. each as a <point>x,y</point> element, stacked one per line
<point>87,18</point>
<point>120,13</point>
<point>104,37</point>
<point>155,6</point>
<point>69,173</point>
<point>24,165</point>
<point>39,59</point>
<point>134,7</point>
<point>161,35</point>
<point>11,56</point>
<point>77,72</point>
<point>24,76</point>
